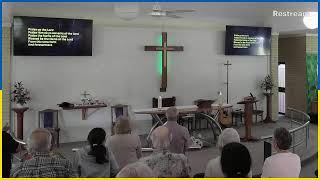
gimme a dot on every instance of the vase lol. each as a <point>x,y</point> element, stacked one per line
<point>267,91</point>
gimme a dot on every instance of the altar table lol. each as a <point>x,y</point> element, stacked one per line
<point>155,112</point>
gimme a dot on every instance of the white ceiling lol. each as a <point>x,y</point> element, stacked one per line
<point>214,12</point>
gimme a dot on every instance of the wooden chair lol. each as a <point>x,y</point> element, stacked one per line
<point>237,115</point>
<point>256,111</point>
<point>166,102</point>
<point>116,111</point>
<point>204,106</point>
<point>49,119</point>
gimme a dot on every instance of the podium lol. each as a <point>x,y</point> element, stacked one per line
<point>248,112</point>
<point>20,112</point>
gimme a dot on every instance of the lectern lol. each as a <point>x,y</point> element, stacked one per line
<point>20,112</point>
<point>248,112</point>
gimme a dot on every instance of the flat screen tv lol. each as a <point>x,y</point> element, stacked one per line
<point>247,40</point>
<point>40,36</point>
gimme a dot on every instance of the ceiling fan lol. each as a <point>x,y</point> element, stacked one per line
<point>158,12</point>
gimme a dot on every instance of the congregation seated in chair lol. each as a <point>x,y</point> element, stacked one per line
<point>41,164</point>
<point>125,145</point>
<point>95,159</point>
<point>214,169</point>
<point>162,162</point>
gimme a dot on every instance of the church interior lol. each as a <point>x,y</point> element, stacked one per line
<point>71,67</point>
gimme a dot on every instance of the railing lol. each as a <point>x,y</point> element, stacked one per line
<point>303,126</point>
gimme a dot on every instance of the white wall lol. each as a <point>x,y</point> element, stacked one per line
<point>287,25</point>
<point>122,71</point>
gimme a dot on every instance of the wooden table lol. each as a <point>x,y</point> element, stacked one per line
<point>155,112</point>
<point>20,113</point>
<point>84,109</point>
<point>181,109</point>
<point>248,112</point>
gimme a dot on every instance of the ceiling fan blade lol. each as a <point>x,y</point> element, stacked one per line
<point>173,16</point>
<point>181,11</point>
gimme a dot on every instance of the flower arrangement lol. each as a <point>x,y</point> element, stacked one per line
<point>20,95</point>
<point>267,84</point>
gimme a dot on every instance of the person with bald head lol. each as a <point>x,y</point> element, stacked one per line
<point>180,135</point>
<point>214,169</point>
<point>162,162</point>
<point>41,164</point>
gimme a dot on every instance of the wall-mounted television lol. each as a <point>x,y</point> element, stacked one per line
<point>247,40</point>
<point>41,36</point>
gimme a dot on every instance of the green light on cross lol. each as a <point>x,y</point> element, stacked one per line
<point>159,58</point>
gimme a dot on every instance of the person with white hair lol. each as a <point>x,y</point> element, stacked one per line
<point>283,164</point>
<point>180,135</point>
<point>41,164</point>
<point>125,145</point>
<point>228,135</point>
<point>164,163</point>
<point>136,170</point>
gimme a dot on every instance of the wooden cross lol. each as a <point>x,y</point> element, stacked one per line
<point>164,49</point>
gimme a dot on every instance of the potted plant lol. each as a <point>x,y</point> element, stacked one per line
<point>267,84</point>
<point>20,95</point>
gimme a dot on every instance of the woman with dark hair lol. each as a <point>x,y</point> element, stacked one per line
<point>214,169</point>
<point>95,160</point>
<point>125,145</point>
<point>235,160</point>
